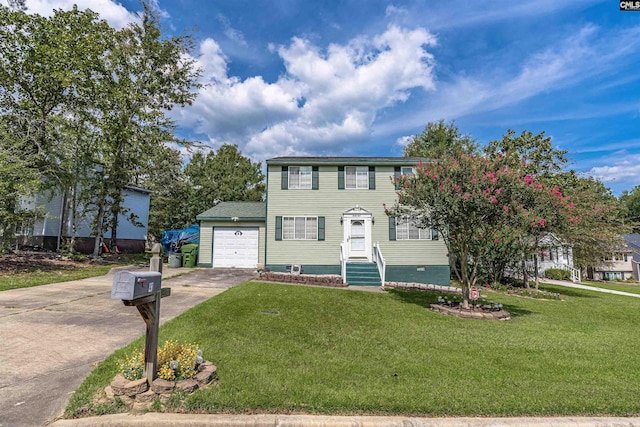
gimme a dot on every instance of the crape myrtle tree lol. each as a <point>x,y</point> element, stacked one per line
<point>473,201</point>
<point>534,156</point>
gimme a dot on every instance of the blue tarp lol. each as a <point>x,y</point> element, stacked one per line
<point>172,240</point>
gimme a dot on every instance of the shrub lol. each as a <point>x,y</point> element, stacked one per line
<point>557,274</point>
<point>175,362</point>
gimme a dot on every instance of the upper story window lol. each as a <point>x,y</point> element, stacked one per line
<point>406,229</point>
<point>300,177</point>
<point>356,177</point>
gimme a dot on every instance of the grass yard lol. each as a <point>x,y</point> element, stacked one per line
<point>37,278</point>
<point>345,352</point>
<point>37,272</point>
<point>632,288</point>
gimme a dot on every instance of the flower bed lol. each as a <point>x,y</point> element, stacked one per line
<point>482,311</point>
<point>331,280</point>
<point>139,395</point>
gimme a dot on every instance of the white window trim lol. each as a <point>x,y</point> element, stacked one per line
<point>294,218</point>
<point>407,170</point>
<point>423,233</point>
<point>364,185</point>
<point>300,186</point>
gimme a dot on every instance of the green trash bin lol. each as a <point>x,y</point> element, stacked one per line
<point>175,260</point>
<point>189,255</point>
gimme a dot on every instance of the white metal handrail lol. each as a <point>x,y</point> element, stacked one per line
<point>380,262</point>
<point>343,263</point>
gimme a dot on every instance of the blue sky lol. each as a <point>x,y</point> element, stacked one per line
<point>359,77</point>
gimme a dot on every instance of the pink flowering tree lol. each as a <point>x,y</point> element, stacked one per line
<point>475,202</point>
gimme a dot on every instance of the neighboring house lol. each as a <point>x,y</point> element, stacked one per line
<point>325,215</point>
<point>54,225</point>
<point>553,252</point>
<point>618,265</point>
<point>633,241</point>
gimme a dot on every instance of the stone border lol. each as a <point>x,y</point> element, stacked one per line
<point>471,313</point>
<point>140,396</point>
<point>424,287</point>
<point>330,280</point>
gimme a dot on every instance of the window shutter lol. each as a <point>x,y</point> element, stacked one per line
<point>278,228</point>
<point>320,228</point>
<point>392,228</point>
<point>396,175</point>
<point>340,177</point>
<point>434,234</point>
<point>314,178</point>
<point>372,177</point>
<point>285,177</point>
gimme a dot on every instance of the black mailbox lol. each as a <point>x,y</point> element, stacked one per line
<point>129,285</point>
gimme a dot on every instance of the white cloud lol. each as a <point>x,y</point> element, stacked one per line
<point>326,101</point>
<point>231,32</point>
<point>589,53</point>
<point>623,170</point>
<point>111,11</point>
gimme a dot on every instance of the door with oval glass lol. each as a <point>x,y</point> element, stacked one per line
<point>357,242</point>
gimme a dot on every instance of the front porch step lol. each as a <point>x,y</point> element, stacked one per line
<point>363,274</point>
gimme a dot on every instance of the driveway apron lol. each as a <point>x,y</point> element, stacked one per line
<point>52,336</point>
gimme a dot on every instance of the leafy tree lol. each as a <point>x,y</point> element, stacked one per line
<point>601,219</point>
<point>145,75</point>
<point>631,202</point>
<point>439,139</point>
<point>223,176</point>
<point>533,154</point>
<point>46,75</point>
<point>473,201</point>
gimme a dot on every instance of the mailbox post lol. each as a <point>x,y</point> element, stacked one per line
<point>143,290</point>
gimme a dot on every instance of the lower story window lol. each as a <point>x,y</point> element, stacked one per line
<point>406,229</point>
<point>300,228</point>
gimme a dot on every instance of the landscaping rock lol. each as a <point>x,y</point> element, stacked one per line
<point>188,386</point>
<point>108,391</point>
<point>203,365</point>
<point>119,385</point>
<point>136,387</point>
<point>147,396</point>
<point>207,375</point>
<point>162,386</point>
<point>140,406</point>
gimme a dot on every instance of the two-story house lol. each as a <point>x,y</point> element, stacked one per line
<point>325,215</point>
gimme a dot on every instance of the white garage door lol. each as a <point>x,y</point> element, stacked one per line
<point>235,247</point>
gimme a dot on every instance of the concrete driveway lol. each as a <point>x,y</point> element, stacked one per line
<point>52,336</point>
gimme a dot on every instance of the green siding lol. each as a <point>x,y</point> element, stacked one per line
<point>306,269</point>
<point>429,274</point>
<point>330,202</point>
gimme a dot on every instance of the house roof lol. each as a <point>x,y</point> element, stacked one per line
<point>633,240</point>
<point>323,160</point>
<point>229,211</point>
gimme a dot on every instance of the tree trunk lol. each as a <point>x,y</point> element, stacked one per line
<point>535,269</point>
<point>97,245</point>
<point>114,227</point>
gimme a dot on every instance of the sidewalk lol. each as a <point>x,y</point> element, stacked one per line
<point>588,288</point>
<point>270,420</point>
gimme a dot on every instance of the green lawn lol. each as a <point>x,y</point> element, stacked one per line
<point>343,352</point>
<point>38,277</point>
<point>633,288</point>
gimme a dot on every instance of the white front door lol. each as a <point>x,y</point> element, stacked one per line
<point>357,234</point>
<point>357,244</point>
